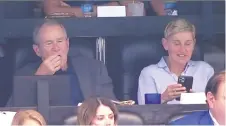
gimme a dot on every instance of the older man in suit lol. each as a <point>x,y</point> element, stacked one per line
<point>51,44</point>
<point>216,99</point>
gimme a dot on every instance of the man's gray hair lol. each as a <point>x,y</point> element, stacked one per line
<point>46,22</point>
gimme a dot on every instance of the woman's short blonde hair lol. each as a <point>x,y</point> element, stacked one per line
<point>24,115</point>
<point>179,25</point>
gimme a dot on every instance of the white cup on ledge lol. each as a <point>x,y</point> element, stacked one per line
<point>135,9</point>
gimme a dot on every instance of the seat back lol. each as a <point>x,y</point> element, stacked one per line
<point>21,9</point>
<point>129,118</point>
<point>2,52</point>
<point>124,118</point>
<point>189,7</point>
<point>136,56</point>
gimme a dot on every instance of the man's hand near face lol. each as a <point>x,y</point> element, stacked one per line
<point>50,65</point>
<point>64,62</point>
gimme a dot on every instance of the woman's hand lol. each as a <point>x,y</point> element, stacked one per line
<point>173,91</point>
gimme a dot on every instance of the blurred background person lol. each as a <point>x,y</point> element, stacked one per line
<point>216,99</point>
<point>161,78</point>
<point>158,7</point>
<point>97,111</point>
<point>76,8</point>
<point>28,118</point>
<point>162,8</point>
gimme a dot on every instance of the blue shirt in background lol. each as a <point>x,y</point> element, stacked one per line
<point>76,93</point>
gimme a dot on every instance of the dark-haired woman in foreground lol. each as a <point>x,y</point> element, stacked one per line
<point>97,111</point>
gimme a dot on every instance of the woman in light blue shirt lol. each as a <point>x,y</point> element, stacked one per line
<point>179,41</point>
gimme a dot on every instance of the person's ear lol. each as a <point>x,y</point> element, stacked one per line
<point>195,40</point>
<point>210,98</point>
<point>37,50</point>
<point>165,43</point>
<point>68,42</point>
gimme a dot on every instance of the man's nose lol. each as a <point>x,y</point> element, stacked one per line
<point>56,47</point>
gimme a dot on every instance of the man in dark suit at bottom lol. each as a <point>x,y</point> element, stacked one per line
<point>216,99</point>
<point>51,44</point>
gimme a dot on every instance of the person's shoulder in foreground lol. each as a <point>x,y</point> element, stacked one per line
<point>195,118</point>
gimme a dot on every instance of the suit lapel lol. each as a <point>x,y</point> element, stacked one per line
<point>206,119</point>
<point>83,77</point>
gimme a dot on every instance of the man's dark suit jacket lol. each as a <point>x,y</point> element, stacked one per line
<point>196,118</point>
<point>92,76</point>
